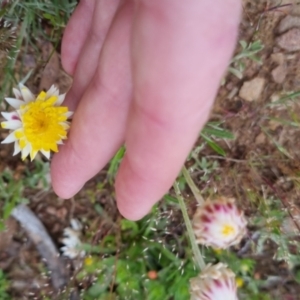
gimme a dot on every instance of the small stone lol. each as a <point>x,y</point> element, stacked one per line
<point>295,9</point>
<point>288,22</point>
<point>279,74</point>
<point>260,139</point>
<point>278,58</point>
<point>62,213</point>
<point>290,40</point>
<point>51,210</point>
<point>291,56</point>
<point>275,97</point>
<point>273,125</point>
<point>251,90</point>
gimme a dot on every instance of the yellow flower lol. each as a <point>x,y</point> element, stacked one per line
<point>219,224</point>
<point>38,123</point>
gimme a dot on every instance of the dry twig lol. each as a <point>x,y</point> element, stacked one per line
<point>44,244</point>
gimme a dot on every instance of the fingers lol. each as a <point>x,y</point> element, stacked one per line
<point>103,13</point>
<point>75,34</point>
<point>99,123</point>
<point>180,51</point>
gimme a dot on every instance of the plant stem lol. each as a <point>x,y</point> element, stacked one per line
<point>192,186</point>
<point>198,256</point>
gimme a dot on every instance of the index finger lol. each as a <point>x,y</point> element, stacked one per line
<point>180,52</point>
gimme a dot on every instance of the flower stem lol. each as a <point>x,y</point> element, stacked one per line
<point>198,256</point>
<point>192,186</point>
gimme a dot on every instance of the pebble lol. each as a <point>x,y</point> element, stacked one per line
<point>288,22</point>
<point>51,210</point>
<point>290,40</point>
<point>279,74</point>
<point>273,125</point>
<point>251,90</point>
<point>260,139</point>
<point>278,58</point>
<point>275,97</point>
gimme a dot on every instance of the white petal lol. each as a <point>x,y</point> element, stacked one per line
<point>71,253</point>
<point>17,93</point>
<point>46,153</point>
<point>15,103</point>
<point>13,124</point>
<point>26,150</point>
<point>9,139</point>
<point>60,99</point>
<point>69,233</point>
<point>69,114</point>
<point>65,125</point>
<point>26,93</point>
<point>70,243</point>
<point>10,115</point>
<point>71,239</point>
<point>17,148</point>
<point>76,225</point>
<point>53,91</point>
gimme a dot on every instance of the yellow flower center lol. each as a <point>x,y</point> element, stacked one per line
<point>228,230</point>
<point>88,261</point>
<point>43,124</point>
<point>239,282</point>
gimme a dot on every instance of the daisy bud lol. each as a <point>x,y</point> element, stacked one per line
<point>38,124</point>
<point>215,282</point>
<point>219,224</point>
<point>72,241</point>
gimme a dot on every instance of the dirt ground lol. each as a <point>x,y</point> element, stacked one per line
<point>264,156</point>
<point>252,109</point>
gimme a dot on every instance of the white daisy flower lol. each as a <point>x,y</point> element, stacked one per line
<point>215,282</point>
<point>38,123</point>
<point>219,224</point>
<point>72,241</point>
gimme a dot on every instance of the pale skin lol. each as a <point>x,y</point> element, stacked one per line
<point>146,73</point>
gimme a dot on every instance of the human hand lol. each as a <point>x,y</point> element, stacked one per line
<point>145,73</point>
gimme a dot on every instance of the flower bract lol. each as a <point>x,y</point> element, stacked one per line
<point>219,224</point>
<point>38,123</point>
<point>215,282</point>
<point>72,241</point>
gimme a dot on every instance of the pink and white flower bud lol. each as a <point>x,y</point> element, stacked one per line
<point>219,224</point>
<point>215,282</point>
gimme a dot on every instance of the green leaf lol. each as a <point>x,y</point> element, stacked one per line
<point>155,290</point>
<point>243,44</point>
<point>129,225</point>
<point>218,133</point>
<point>213,145</point>
<point>115,162</point>
<point>237,73</point>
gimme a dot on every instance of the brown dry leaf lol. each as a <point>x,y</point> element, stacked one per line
<point>51,71</point>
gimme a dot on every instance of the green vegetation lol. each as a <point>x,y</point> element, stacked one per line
<point>153,259</point>
<point>143,260</point>
<point>4,285</point>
